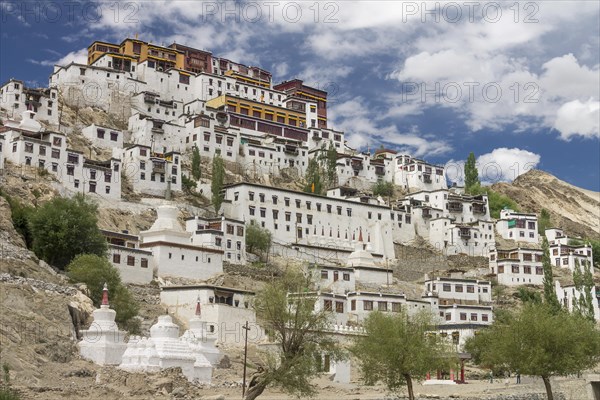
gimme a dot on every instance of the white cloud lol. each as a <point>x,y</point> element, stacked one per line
<point>77,56</point>
<point>578,118</point>
<point>505,165</point>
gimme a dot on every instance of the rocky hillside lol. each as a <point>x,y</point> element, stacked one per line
<point>575,210</point>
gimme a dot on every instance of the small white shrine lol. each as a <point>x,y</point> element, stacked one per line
<point>103,343</point>
<point>164,349</point>
<point>199,339</point>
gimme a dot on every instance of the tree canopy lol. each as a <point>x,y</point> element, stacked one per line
<point>196,172</point>
<point>544,221</point>
<point>383,188</point>
<point>218,181</point>
<point>550,297</point>
<point>95,271</point>
<point>536,340</point>
<point>397,349</point>
<point>257,238</point>
<point>288,313</point>
<point>314,174</point>
<point>64,228</point>
<point>331,161</point>
<point>471,174</point>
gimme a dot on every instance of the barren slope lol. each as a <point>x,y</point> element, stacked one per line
<point>575,210</point>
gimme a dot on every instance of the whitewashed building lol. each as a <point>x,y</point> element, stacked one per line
<point>568,295</point>
<point>517,226</point>
<point>221,233</point>
<point>15,98</point>
<point>309,221</point>
<point>417,175</point>
<point>459,290</point>
<point>224,311</point>
<point>518,266</point>
<point>104,137</point>
<point>33,148</point>
<point>150,172</point>
<point>173,251</point>
<point>566,255</point>
<point>124,253</point>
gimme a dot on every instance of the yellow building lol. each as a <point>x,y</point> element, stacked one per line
<point>163,57</point>
<point>255,109</point>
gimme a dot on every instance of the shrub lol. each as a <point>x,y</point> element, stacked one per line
<point>64,228</point>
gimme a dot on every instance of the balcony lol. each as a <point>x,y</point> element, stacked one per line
<point>357,166</point>
<point>379,171</point>
<point>464,233</point>
<point>426,213</point>
<point>478,209</point>
<point>293,150</point>
<point>148,98</point>
<point>455,207</point>
<point>158,167</point>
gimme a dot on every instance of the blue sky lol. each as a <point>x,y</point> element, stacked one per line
<point>515,82</point>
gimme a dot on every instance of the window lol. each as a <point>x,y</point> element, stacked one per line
<point>463,316</point>
<point>339,307</point>
<point>329,208</point>
<point>92,187</point>
<point>251,210</point>
<point>336,276</point>
<point>484,317</point>
<point>327,305</point>
<point>339,210</point>
<point>473,317</point>
<point>396,307</point>
<point>130,260</point>
<point>144,263</point>
<point>382,305</point>
<point>448,317</point>
<point>539,270</point>
<point>76,183</point>
<point>116,258</point>
<point>346,276</point>
<point>28,147</point>
<point>324,275</point>
<point>114,136</point>
<point>275,214</point>
<point>458,288</point>
<point>42,150</point>
<point>70,170</point>
<point>470,289</point>
<point>447,287</point>
<point>367,305</point>
<point>55,153</point>
<point>353,305</point>
<point>515,269</point>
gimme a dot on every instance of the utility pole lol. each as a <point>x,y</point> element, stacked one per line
<point>245,327</point>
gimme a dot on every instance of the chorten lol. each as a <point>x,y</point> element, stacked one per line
<point>360,257</point>
<point>163,349</point>
<point>103,343</point>
<point>199,340</point>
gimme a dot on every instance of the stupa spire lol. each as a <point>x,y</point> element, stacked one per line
<point>105,295</point>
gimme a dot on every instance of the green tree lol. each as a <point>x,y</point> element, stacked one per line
<point>188,185</point>
<point>550,297</point>
<point>314,174</point>
<point>287,311</point>
<point>63,228</point>
<point>544,221</point>
<point>584,284</point>
<point>496,201</point>
<point>535,340</point>
<point>196,172</point>
<point>397,349</point>
<point>257,238</point>
<point>383,189</point>
<point>20,215</point>
<point>471,174</point>
<point>528,295</point>
<point>95,271</point>
<point>331,165</point>
<point>218,181</point>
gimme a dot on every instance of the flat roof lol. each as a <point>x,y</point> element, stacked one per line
<point>312,195</point>
<point>199,287</point>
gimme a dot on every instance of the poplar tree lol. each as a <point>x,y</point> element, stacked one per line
<point>218,181</point>
<point>471,174</point>
<point>550,297</point>
<point>331,165</point>
<point>196,173</point>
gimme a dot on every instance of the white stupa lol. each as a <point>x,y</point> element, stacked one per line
<point>163,349</point>
<point>360,257</point>
<point>103,343</point>
<point>199,340</point>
